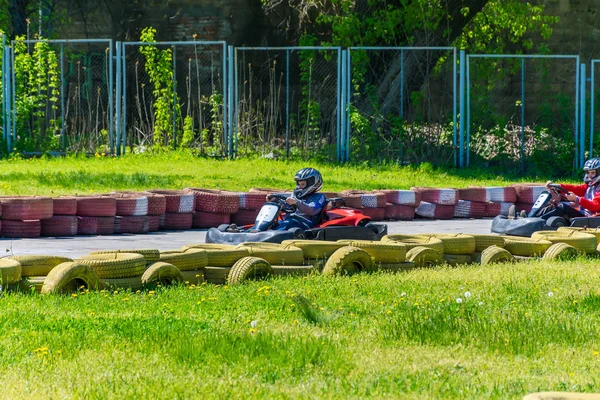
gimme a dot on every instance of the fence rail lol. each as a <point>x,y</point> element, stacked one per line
<point>402,104</point>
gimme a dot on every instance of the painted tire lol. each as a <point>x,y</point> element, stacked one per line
<point>248,268</point>
<point>348,260</point>
<point>70,277</point>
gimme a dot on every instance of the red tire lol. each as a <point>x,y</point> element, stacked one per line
<point>132,224</point>
<point>60,225</point>
<point>177,201</point>
<point>499,194</point>
<point>215,201</point>
<point>131,204</point>
<point>473,194</point>
<point>492,209</point>
<point>470,209</point>
<point>403,197</point>
<point>95,225</point>
<point>21,229</point>
<point>204,220</point>
<point>251,201</point>
<point>27,208</point>
<point>157,203</point>
<point>443,196</point>
<point>528,193</point>
<point>399,212</point>
<point>153,223</point>
<point>176,221</point>
<point>64,205</point>
<point>244,217</point>
<point>376,214</point>
<point>96,206</point>
<point>437,211</point>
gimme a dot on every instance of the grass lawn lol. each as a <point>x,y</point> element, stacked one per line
<point>467,332</point>
<point>80,175</point>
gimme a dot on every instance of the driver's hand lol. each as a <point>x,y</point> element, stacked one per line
<point>548,184</point>
<point>572,198</point>
<point>269,197</point>
<point>291,201</point>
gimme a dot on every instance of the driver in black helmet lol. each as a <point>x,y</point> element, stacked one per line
<point>584,199</point>
<point>309,203</point>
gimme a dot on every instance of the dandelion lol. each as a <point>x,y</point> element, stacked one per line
<point>253,324</point>
<point>403,294</point>
<point>389,312</point>
<point>596,353</point>
<point>467,295</point>
<point>74,295</point>
<point>252,331</point>
<point>126,299</point>
<point>550,294</point>
<point>480,303</point>
<point>459,300</point>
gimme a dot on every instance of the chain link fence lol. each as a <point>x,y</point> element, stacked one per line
<point>61,96</point>
<point>287,102</point>
<point>523,113</point>
<point>174,95</point>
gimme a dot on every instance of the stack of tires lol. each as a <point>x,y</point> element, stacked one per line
<point>132,213</point>
<point>21,216</point>
<point>250,204</point>
<point>527,194</point>
<point>179,208</point>
<point>437,203</point>
<point>157,206</point>
<point>213,207</point>
<point>96,215</point>
<point>371,204</point>
<point>64,218</point>
<point>472,204</point>
<point>401,204</point>
<point>504,196</point>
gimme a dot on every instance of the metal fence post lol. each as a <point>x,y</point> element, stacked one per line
<point>117,143</point>
<point>582,114</point>
<point>592,96</point>
<point>468,109</point>
<point>522,114</point>
<point>462,108</point>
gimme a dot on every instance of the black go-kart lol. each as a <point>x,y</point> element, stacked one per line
<point>546,202</point>
<point>336,222</point>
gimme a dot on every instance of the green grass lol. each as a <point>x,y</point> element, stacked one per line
<point>380,335</point>
<point>80,175</point>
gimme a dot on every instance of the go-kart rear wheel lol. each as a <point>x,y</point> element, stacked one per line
<point>223,227</point>
<point>298,233</point>
<point>556,222</point>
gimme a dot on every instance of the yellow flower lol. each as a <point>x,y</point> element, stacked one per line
<point>252,330</point>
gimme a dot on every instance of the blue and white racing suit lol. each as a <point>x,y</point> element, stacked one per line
<point>307,215</point>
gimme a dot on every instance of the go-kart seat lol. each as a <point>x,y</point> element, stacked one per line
<point>330,204</point>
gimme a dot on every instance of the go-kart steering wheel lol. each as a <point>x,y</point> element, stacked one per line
<point>279,198</point>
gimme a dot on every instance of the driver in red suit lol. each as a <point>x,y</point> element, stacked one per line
<point>585,198</point>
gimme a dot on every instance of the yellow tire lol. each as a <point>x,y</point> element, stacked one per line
<point>584,242</point>
<point>150,255</point>
<point>10,271</point>
<point>424,257</point>
<point>317,249</point>
<point>458,259</point>
<point>483,241</point>
<point>161,273</point>
<point>495,254</point>
<point>348,260</point>
<point>70,277</point>
<point>248,268</point>
<point>274,254</point>
<point>223,256</point>
<point>382,252</point>
<point>397,267</point>
<point>193,277</point>
<point>560,251</point>
<point>455,243</point>
<point>115,265</point>
<point>192,259</point>
<point>38,265</point>
<point>526,247</point>
<point>412,241</point>
<point>216,275</point>
<point>293,270</point>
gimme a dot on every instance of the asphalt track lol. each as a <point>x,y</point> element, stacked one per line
<point>168,240</point>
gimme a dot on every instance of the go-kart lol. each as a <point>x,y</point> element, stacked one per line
<point>336,222</point>
<point>546,202</point>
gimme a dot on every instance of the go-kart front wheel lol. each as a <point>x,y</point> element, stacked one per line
<point>556,222</point>
<point>298,233</point>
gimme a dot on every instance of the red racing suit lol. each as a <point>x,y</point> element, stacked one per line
<point>589,197</point>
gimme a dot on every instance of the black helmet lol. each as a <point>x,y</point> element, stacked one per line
<point>592,164</point>
<point>313,179</point>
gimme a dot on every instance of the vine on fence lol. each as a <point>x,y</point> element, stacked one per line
<point>36,92</point>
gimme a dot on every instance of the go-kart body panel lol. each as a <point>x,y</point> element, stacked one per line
<point>518,227</point>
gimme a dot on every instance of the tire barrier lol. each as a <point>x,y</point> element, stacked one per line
<point>60,225</point>
<point>401,197</point>
<point>219,255</point>
<point>70,277</point>
<point>132,224</point>
<point>274,254</point>
<point>483,241</point>
<point>528,193</point>
<point>33,283</point>
<point>216,275</point>
<point>399,212</point>
<point>506,194</point>
<point>560,251</point>
<point>204,220</point>
<point>584,242</point>
<point>469,209</point>
<point>244,217</point>
<point>26,208</point>
<point>95,225</point>
<point>348,260</point>
<point>247,268</point>
<point>495,254</point>
<point>478,194</point>
<point>367,199</point>
<point>386,253</point>
<point>150,255</point>
<point>437,211</point>
<point>446,196</point>
<point>64,205</point>
<point>523,206</point>
<point>161,273</point>
<point>526,247</point>
<point>457,259</point>
<point>115,265</point>
<point>314,249</point>
<point>352,200</point>
<point>591,231</point>
<point>492,209</point>
<point>157,203</point>
<point>504,207</point>
<point>215,201</point>
<point>193,277</point>
<point>10,271</point>
<point>412,241</point>
<point>293,270</point>
<point>395,268</point>
<point>153,223</point>
<point>38,265</point>
<point>454,243</point>
<point>133,283</point>
<point>266,191</point>
<point>376,214</point>
<point>423,257</point>
<point>21,229</point>
<point>177,201</point>
<point>96,206</point>
<point>186,261</point>
<point>176,221</point>
<point>251,201</point>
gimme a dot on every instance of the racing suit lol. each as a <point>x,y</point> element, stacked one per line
<point>307,215</point>
<point>589,202</point>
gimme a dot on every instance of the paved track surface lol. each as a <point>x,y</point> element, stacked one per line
<point>167,240</point>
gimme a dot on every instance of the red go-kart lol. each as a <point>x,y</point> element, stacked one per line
<point>336,222</point>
